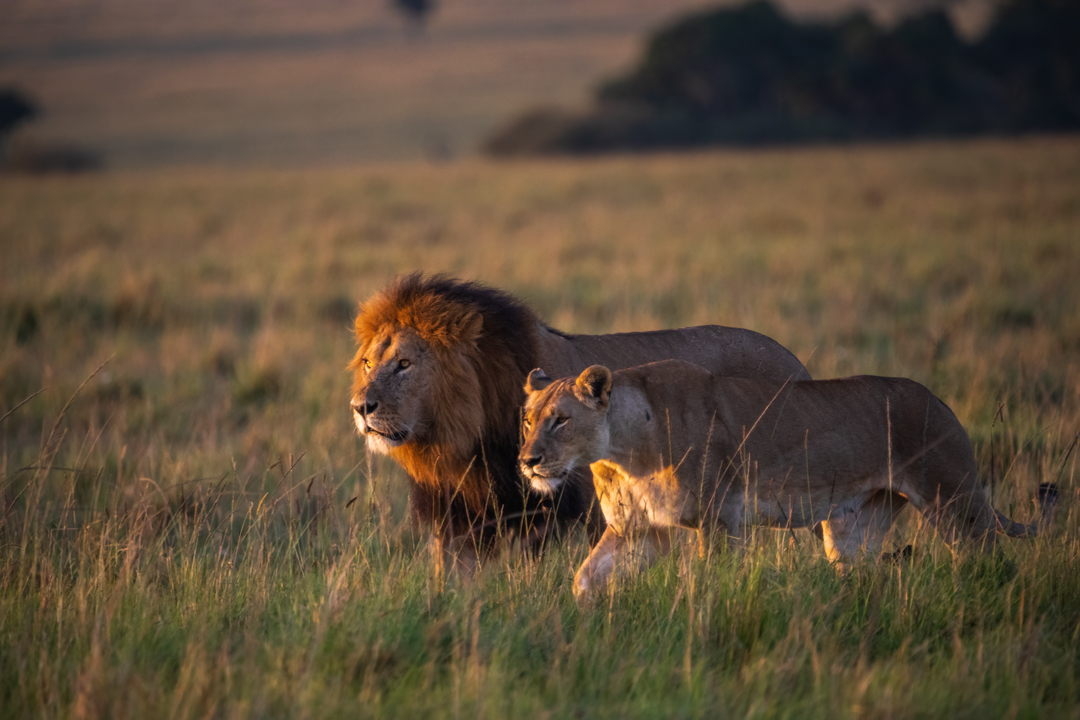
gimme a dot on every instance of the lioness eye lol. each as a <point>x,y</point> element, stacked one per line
<point>403,364</point>
<point>559,422</point>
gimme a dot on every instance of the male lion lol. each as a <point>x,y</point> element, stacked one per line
<point>437,386</point>
<point>672,444</point>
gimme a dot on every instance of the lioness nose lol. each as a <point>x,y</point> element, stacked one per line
<point>532,461</point>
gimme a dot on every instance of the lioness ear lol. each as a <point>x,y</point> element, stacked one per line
<point>538,380</point>
<point>593,386</point>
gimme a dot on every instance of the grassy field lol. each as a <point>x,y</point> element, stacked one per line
<point>189,527</point>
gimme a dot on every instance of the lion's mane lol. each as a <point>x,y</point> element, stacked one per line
<point>464,474</point>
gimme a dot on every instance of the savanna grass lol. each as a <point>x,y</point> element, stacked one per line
<point>190,527</point>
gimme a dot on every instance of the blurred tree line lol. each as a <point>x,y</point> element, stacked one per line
<point>748,75</point>
<point>17,109</point>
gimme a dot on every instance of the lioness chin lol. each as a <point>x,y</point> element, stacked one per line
<point>671,444</point>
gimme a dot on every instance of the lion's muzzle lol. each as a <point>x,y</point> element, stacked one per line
<point>380,433</point>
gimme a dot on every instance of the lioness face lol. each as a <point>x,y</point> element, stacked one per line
<point>392,377</point>
<point>564,426</point>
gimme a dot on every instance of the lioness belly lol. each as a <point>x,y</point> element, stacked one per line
<point>802,509</point>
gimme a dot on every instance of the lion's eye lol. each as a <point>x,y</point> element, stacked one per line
<point>559,422</point>
<point>402,364</point>
<point>367,364</point>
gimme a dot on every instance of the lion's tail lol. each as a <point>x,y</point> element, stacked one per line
<point>1047,499</point>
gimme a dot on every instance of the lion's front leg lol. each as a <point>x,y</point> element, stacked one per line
<point>455,557</point>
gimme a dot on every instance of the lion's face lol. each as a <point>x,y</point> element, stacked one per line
<point>393,376</point>
<point>564,426</point>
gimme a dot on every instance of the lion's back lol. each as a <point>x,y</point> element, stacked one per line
<point>725,351</point>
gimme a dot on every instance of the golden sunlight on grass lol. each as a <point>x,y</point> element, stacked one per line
<point>197,530</point>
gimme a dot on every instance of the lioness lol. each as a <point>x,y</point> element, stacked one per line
<point>672,444</point>
<point>437,385</point>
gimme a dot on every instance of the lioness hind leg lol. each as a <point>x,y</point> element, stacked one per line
<point>859,531</point>
<point>965,516</point>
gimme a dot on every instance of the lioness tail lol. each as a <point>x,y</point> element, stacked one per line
<point>1047,499</point>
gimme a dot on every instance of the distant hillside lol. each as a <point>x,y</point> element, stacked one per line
<point>288,83</point>
<point>750,75</point>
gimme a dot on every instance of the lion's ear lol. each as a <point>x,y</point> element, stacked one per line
<point>538,380</point>
<point>593,386</point>
<point>469,327</point>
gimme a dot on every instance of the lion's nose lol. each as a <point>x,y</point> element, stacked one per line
<point>532,461</point>
<point>364,408</point>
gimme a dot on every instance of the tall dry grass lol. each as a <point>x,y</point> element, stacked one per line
<point>189,526</point>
